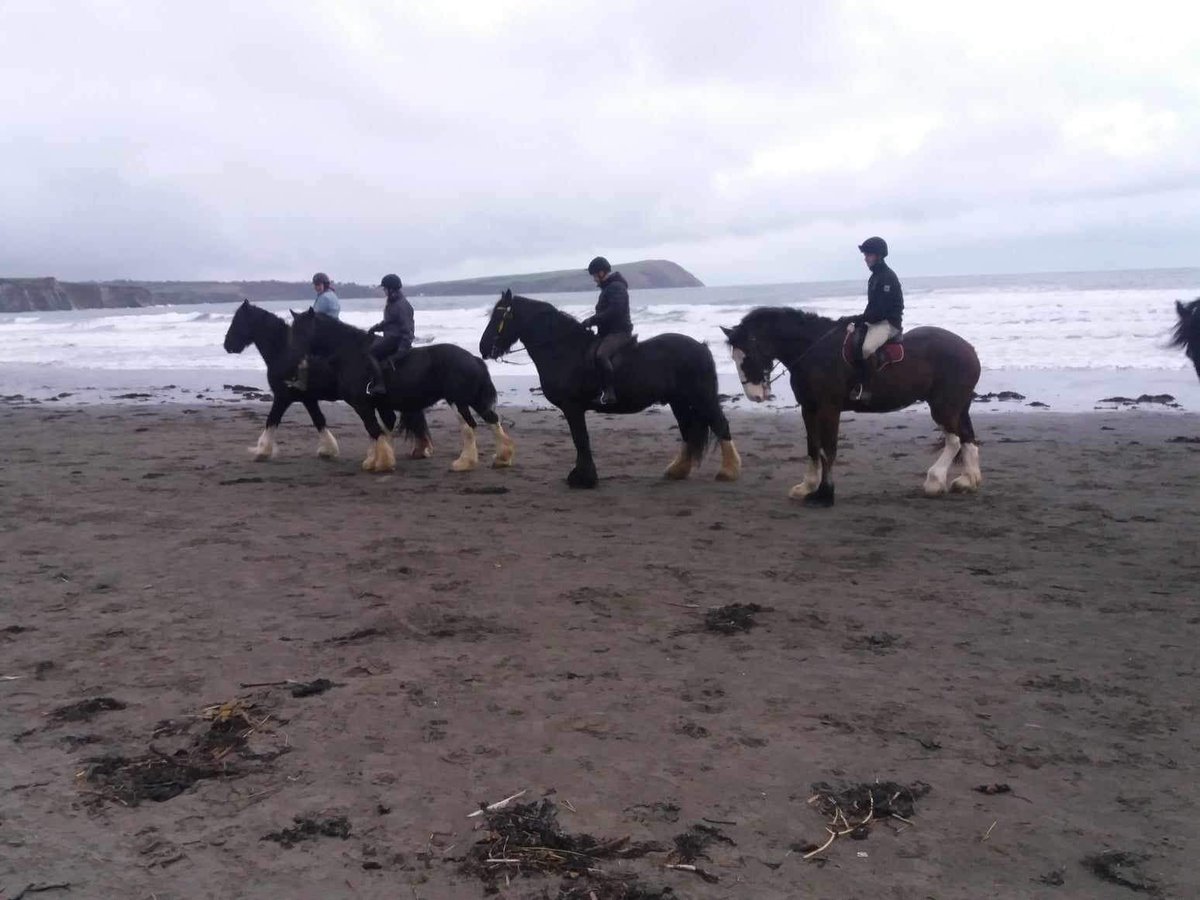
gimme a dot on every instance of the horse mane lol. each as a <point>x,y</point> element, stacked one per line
<point>340,333</point>
<point>787,323</point>
<point>544,308</point>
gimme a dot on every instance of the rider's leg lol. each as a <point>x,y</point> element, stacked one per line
<point>604,366</point>
<point>299,381</point>
<point>381,349</point>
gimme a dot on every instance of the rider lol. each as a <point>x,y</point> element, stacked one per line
<point>613,326</point>
<point>885,308</point>
<point>397,330</point>
<point>326,304</point>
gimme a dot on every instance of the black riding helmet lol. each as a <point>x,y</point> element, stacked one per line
<point>876,245</point>
<point>391,283</point>
<point>598,265</point>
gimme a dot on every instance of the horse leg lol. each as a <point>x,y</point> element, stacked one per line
<point>265,448</point>
<point>812,477</point>
<point>413,423</point>
<point>505,448</point>
<point>584,473</point>
<point>681,465</point>
<point>327,445</point>
<point>950,418</point>
<point>972,477</point>
<point>468,459</point>
<point>828,422</point>
<point>731,460</point>
<point>380,457</point>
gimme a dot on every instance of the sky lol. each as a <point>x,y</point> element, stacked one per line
<point>748,142</point>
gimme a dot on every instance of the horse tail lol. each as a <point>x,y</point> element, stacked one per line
<point>709,424</point>
<point>413,425</point>
<point>487,389</point>
<point>1186,333</point>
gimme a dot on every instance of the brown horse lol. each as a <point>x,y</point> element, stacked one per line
<point>1187,330</point>
<point>936,366</point>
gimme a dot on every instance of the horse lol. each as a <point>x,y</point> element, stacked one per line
<point>1186,333</point>
<point>269,333</point>
<point>672,368</point>
<point>935,365</point>
<point>419,379</point>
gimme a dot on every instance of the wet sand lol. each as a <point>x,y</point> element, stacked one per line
<point>493,631</point>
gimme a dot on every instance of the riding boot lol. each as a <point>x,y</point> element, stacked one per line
<point>860,392</point>
<point>609,396</point>
<point>299,382</point>
<point>376,386</point>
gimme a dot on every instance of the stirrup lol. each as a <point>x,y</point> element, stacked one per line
<point>859,392</point>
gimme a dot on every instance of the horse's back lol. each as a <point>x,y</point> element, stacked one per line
<point>933,343</point>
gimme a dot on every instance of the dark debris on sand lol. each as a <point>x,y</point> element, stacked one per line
<point>311,688</point>
<point>85,710</point>
<point>1125,869</point>
<point>309,828</point>
<point>734,618</point>
<point>159,776</point>
<point>693,844</point>
<point>851,810</point>
<point>526,838</point>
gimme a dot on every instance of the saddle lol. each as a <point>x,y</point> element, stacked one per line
<point>623,345</point>
<point>890,353</point>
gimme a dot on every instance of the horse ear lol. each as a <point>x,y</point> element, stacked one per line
<point>728,332</point>
<point>507,294</point>
<point>1179,307</point>
<point>295,315</point>
<point>245,301</point>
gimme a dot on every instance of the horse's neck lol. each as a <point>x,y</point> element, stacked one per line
<point>561,336</point>
<point>795,349</point>
<point>270,338</point>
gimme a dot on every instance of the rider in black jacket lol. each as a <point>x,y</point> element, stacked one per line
<point>613,325</point>
<point>397,329</point>
<point>884,314</point>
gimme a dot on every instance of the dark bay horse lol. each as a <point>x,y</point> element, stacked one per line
<point>422,377</point>
<point>671,368</point>
<point>939,367</point>
<point>269,333</point>
<point>1186,333</point>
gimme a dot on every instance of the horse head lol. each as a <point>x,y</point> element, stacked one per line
<point>501,331</point>
<point>241,332</point>
<point>753,357</point>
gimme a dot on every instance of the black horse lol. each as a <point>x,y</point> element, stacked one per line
<point>1186,333</point>
<point>269,333</point>
<point>422,377</point>
<point>671,368</point>
<point>938,367</point>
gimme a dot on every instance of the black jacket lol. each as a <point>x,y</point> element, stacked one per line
<point>885,299</point>
<point>612,307</point>
<point>398,321</point>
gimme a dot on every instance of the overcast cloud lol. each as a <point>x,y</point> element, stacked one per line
<point>749,142</point>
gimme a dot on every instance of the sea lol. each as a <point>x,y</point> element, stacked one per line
<point>1069,342</point>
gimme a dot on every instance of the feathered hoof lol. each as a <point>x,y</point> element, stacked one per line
<point>964,484</point>
<point>934,488</point>
<point>729,474</point>
<point>463,465</point>
<point>800,491</point>
<point>582,480</point>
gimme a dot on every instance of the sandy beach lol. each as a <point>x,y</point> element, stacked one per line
<point>493,632</point>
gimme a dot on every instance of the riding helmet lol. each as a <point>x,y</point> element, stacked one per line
<point>598,265</point>
<point>876,245</point>
<point>391,282</point>
<point>321,278</point>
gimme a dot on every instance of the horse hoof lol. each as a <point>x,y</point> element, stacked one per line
<point>963,484</point>
<point>502,462</point>
<point>462,465</point>
<point>800,491</point>
<point>819,499</point>
<point>934,488</point>
<point>728,476</point>
<point>674,473</point>
<point>581,481</point>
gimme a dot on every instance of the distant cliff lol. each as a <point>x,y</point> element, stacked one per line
<point>31,294</point>
<point>646,273</point>
<point>41,294</point>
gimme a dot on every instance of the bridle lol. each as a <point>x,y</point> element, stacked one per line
<point>505,318</point>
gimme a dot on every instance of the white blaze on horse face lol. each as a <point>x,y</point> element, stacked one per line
<point>756,392</point>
